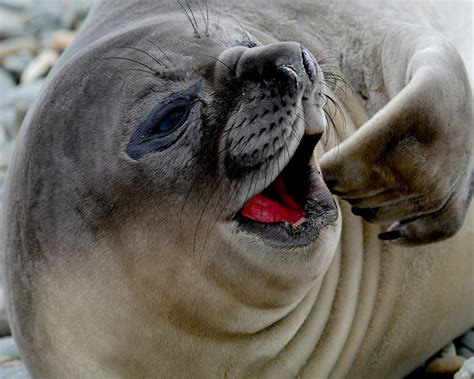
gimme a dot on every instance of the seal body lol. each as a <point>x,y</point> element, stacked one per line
<point>138,241</point>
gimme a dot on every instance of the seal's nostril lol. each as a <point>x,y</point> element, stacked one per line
<point>288,71</point>
<point>308,63</point>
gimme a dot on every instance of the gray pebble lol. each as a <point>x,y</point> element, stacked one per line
<point>8,126</point>
<point>14,371</point>
<point>466,371</point>
<point>468,340</point>
<point>21,95</point>
<point>6,150</point>
<point>74,12</point>
<point>12,46</point>
<point>55,14</point>
<point>4,324</point>
<point>57,39</point>
<point>465,352</point>
<point>8,348</point>
<point>12,24</point>
<point>17,5</point>
<point>6,81</point>
<point>45,15</point>
<point>17,63</point>
<point>39,66</point>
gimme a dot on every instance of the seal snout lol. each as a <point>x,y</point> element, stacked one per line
<point>284,63</point>
<point>267,145</point>
<point>278,84</point>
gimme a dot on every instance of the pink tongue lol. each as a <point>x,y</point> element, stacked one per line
<point>265,210</point>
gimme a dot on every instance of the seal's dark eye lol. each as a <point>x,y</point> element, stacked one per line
<point>167,123</point>
<point>171,120</point>
<point>164,125</point>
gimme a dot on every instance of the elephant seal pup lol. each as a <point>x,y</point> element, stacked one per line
<point>167,216</point>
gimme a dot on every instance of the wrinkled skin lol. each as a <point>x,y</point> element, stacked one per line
<point>411,163</point>
<point>124,259</point>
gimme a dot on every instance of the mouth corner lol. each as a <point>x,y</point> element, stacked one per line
<point>293,209</point>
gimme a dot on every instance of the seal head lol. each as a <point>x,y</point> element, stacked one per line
<point>184,180</point>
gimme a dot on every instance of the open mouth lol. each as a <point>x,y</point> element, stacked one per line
<point>295,207</point>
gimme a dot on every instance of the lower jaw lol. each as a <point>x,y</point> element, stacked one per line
<point>320,214</point>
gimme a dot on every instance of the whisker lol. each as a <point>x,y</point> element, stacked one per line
<point>334,82</point>
<point>246,196</point>
<point>339,110</point>
<point>232,197</point>
<point>204,210</point>
<point>134,61</point>
<point>287,151</point>
<point>218,16</point>
<point>241,27</point>
<point>196,31</point>
<point>330,121</point>
<point>217,60</point>
<point>323,51</point>
<point>162,51</point>
<point>159,62</point>
<point>203,18</point>
<point>207,18</point>
<point>192,14</point>
<point>293,131</point>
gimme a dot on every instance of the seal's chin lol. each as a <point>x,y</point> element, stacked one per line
<point>295,207</point>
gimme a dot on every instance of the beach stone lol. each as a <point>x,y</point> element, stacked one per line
<point>6,150</point>
<point>55,14</point>
<point>3,134</point>
<point>12,24</point>
<point>468,340</point>
<point>445,365</point>
<point>4,325</point>
<point>74,11</point>
<point>8,118</point>
<point>12,46</point>
<point>465,352</point>
<point>11,120</point>
<point>16,64</point>
<point>466,371</point>
<point>448,351</point>
<point>45,15</point>
<point>6,81</point>
<point>61,39</point>
<point>39,66</point>
<point>14,370</point>
<point>21,95</point>
<point>17,5</point>
<point>8,348</point>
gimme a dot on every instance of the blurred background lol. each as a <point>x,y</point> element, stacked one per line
<point>33,33</point>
